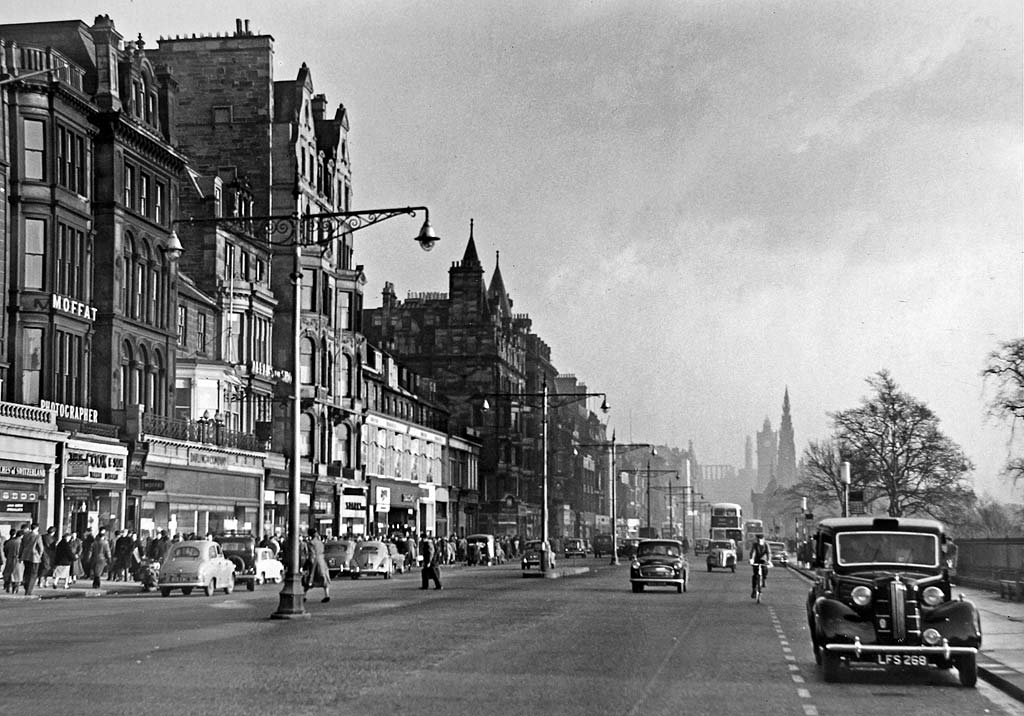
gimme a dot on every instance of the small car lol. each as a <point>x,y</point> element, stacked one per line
<point>659,563</point>
<point>883,597</point>
<point>372,557</point>
<point>701,545</point>
<point>779,554</point>
<point>602,545</point>
<point>397,558</point>
<point>574,547</point>
<point>481,549</point>
<point>532,552</point>
<point>338,555</point>
<point>722,555</point>
<point>196,563</point>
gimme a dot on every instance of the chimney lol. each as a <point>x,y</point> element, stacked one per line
<point>107,42</point>
<point>238,26</point>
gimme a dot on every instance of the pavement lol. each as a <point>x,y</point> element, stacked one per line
<point>1000,663</point>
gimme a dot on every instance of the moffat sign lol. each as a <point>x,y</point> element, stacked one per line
<point>72,307</point>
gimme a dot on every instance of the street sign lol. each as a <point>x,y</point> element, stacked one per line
<point>152,485</point>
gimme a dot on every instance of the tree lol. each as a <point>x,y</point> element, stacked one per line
<point>1006,368</point>
<point>895,440</point>
<point>819,477</point>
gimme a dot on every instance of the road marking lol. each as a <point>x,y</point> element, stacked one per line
<point>797,679</point>
<point>794,667</point>
<point>810,710</point>
<point>803,693</point>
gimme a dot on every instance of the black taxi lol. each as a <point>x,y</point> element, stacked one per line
<point>883,596</point>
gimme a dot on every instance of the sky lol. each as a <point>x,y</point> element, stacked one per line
<point>699,204</point>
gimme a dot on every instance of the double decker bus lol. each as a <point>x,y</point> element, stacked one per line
<point>727,523</point>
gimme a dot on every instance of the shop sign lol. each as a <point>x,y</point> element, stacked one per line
<point>9,468</point>
<point>383,495</point>
<point>355,506</point>
<point>407,498</point>
<point>72,307</point>
<point>15,496</point>
<point>77,493</point>
<point>71,412</point>
<point>199,457</point>
<point>100,466</point>
<point>16,506</point>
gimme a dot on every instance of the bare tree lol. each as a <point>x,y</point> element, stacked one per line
<point>819,478</point>
<point>1006,369</point>
<point>911,464</point>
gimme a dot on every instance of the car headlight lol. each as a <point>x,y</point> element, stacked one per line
<point>634,565</point>
<point>861,596</point>
<point>933,596</point>
<point>931,637</point>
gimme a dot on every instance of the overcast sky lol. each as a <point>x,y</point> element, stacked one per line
<point>699,204</point>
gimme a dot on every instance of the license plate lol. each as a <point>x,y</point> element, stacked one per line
<point>903,659</point>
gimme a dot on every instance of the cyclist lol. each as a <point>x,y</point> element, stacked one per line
<point>760,559</point>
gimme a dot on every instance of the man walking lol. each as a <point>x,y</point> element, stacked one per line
<point>99,556</point>
<point>31,557</point>
<point>428,553</point>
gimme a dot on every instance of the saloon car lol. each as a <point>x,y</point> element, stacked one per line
<point>252,564</point>
<point>779,554</point>
<point>372,558</point>
<point>574,547</point>
<point>658,563</point>
<point>722,555</point>
<point>701,545</point>
<point>196,563</point>
<point>883,597</point>
<point>338,555</point>
<point>532,552</point>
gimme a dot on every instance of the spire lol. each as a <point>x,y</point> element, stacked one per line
<point>496,293</point>
<point>785,402</point>
<point>470,258</point>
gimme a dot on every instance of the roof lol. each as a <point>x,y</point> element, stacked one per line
<point>880,522</point>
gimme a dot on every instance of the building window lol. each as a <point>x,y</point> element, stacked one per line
<point>158,203</point>
<point>35,149</point>
<point>129,186</point>
<point>144,194</point>
<point>35,253</point>
<point>67,358</point>
<point>308,290</point>
<point>32,365</point>
<point>182,325</point>
<point>71,161</point>
<point>306,363</point>
<point>201,333</point>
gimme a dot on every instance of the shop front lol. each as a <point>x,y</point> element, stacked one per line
<point>200,489</point>
<point>275,501</point>
<point>29,437</point>
<point>93,490</point>
<point>352,504</point>
<point>396,506</point>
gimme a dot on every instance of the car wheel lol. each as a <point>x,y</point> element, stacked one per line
<point>260,578</point>
<point>277,579</point>
<point>210,587</point>
<point>636,588</point>
<point>186,590</point>
<point>387,574</point>
<point>679,589</point>
<point>967,665</point>
<point>355,575</point>
<point>830,665</point>
<point>709,566</point>
<point>733,568</point>
<point>230,586</point>
<point>165,591</point>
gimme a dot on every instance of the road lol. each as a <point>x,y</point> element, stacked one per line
<point>490,643</point>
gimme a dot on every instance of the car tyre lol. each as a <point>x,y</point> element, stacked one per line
<point>260,578</point>
<point>165,591</point>
<point>210,587</point>
<point>830,665</point>
<point>186,590</point>
<point>733,568</point>
<point>355,575</point>
<point>709,566</point>
<point>230,586</point>
<point>967,665</point>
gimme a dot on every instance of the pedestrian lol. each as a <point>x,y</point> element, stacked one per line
<point>87,541</point>
<point>63,559</point>
<point>431,571</point>
<point>99,556</point>
<point>319,575</point>
<point>49,557</point>
<point>686,545</point>
<point>76,565</point>
<point>159,548</point>
<point>31,557</point>
<point>12,562</point>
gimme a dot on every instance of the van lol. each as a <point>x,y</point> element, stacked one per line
<point>602,545</point>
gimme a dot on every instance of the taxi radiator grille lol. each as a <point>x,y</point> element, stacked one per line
<point>898,615</point>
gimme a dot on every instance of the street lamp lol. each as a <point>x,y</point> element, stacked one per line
<point>844,478</point>
<point>613,450</point>
<point>297,231</point>
<point>659,472</point>
<point>544,395</point>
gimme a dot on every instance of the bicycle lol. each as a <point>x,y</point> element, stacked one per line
<point>759,579</point>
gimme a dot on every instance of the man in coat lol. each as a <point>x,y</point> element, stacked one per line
<point>428,552</point>
<point>12,562</point>
<point>31,557</point>
<point>99,556</point>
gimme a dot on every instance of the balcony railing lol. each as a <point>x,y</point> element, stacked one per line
<point>207,432</point>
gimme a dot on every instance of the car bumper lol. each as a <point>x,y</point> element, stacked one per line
<point>181,583</point>
<point>871,652</point>
<point>658,581</point>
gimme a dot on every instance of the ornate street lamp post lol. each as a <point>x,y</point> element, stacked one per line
<point>297,231</point>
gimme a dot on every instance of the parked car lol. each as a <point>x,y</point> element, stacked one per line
<point>481,549</point>
<point>196,563</point>
<point>779,554</point>
<point>338,554</point>
<point>701,546</point>
<point>397,558</point>
<point>659,563</point>
<point>372,558</point>
<point>722,555</point>
<point>883,597</point>
<point>602,545</point>
<point>574,547</point>
<point>532,552</point>
<point>253,564</point>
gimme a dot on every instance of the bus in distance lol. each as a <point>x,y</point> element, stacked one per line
<point>751,529</point>
<point>727,523</point>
